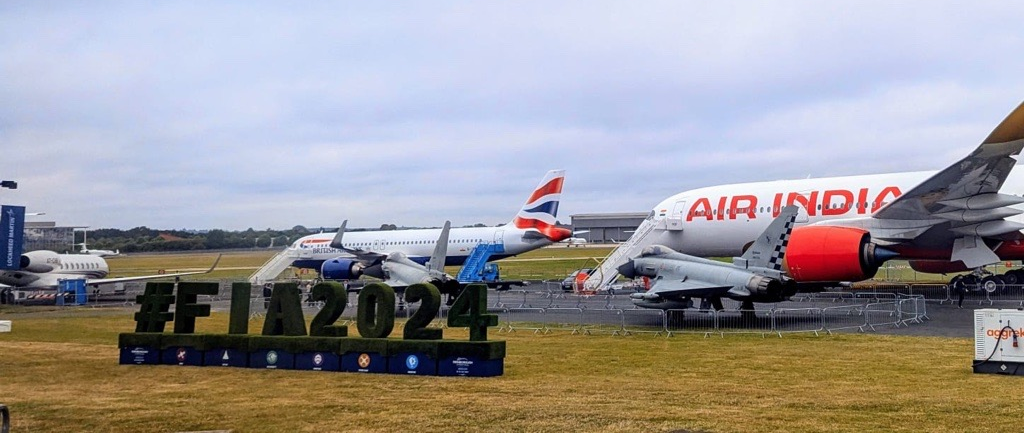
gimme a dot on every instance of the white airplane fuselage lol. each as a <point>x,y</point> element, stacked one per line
<point>51,267</point>
<point>417,244</point>
<point>720,221</point>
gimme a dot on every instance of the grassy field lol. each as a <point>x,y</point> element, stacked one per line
<point>541,264</point>
<point>59,372</point>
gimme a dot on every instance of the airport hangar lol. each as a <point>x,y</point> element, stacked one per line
<point>606,227</point>
<point>49,236</point>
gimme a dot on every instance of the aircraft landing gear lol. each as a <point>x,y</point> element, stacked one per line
<point>981,279</point>
<point>747,313</point>
<point>992,283</point>
<point>709,303</point>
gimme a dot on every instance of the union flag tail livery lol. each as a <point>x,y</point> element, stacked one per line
<point>541,209</point>
<point>363,252</point>
<point>962,218</point>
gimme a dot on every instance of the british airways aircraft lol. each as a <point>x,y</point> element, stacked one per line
<point>961,218</point>
<point>533,227</point>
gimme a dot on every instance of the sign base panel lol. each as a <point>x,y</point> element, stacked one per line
<point>999,367</point>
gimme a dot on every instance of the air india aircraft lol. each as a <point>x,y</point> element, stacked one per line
<point>961,218</point>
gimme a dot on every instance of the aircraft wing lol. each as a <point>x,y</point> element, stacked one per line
<point>674,287</point>
<point>362,255</point>
<point>22,278</point>
<point>981,172</point>
<point>960,205</point>
<point>150,277</point>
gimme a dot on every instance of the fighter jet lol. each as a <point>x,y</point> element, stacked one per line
<point>399,271</point>
<point>677,278</point>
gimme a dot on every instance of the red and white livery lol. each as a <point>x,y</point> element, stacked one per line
<point>960,218</point>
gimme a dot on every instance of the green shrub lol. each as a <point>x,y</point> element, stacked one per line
<point>360,345</point>
<point>228,341</point>
<point>479,349</point>
<point>198,341</point>
<point>335,298</point>
<point>187,306</point>
<point>284,316</point>
<point>430,348</point>
<point>239,320</point>
<point>154,307</point>
<point>294,344</point>
<point>147,339</point>
<point>375,317</point>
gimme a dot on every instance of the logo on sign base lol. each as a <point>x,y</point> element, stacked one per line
<point>318,360</point>
<point>412,362</point>
<point>271,357</point>
<point>364,360</point>
<point>181,354</point>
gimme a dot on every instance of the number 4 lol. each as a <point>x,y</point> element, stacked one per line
<point>469,311</point>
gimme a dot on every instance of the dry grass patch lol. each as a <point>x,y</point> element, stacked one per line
<point>59,373</point>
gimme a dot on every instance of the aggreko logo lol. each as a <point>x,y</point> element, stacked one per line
<point>1004,333</point>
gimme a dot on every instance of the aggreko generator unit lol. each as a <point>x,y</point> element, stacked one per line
<point>999,341</point>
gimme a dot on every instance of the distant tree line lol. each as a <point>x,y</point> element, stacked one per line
<point>144,239</point>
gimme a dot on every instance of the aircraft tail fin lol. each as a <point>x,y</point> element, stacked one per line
<point>769,249</point>
<point>436,262</point>
<point>541,208</point>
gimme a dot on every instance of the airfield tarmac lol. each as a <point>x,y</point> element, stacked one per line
<point>942,318</point>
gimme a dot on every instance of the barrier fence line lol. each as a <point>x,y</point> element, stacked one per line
<point>562,319</point>
<point>637,321</point>
<point>793,320</point>
<point>603,321</point>
<point>884,305</point>
<point>514,325</point>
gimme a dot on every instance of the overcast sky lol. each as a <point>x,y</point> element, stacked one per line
<point>267,115</point>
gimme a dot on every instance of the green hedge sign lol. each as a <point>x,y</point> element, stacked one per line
<point>285,337</point>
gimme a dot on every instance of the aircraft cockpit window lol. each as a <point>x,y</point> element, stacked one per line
<point>655,250</point>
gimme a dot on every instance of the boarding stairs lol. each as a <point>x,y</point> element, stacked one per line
<point>605,273</point>
<point>277,264</point>
<point>472,269</point>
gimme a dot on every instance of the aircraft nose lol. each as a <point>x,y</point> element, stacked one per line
<point>627,269</point>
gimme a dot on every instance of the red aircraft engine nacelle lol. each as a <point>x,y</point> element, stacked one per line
<point>828,254</point>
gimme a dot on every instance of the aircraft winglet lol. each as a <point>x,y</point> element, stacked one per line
<point>336,242</point>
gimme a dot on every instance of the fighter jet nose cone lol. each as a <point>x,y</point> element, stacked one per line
<point>627,270</point>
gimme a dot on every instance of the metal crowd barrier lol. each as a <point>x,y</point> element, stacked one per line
<point>603,321</point>
<point>513,325</point>
<point>793,320</point>
<point>562,319</point>
<point>843,318</point>
<point>894,312</point>
<point>882,314</point>
<point>643,320</point>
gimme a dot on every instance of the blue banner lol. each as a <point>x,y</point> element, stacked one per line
<point>12,232</point>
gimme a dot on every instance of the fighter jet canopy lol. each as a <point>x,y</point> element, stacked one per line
<point>655,250</point>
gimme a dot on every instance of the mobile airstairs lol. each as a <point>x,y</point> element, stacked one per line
<point>277,264</point>
<point>605,273</point>
<point>473,269</point>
